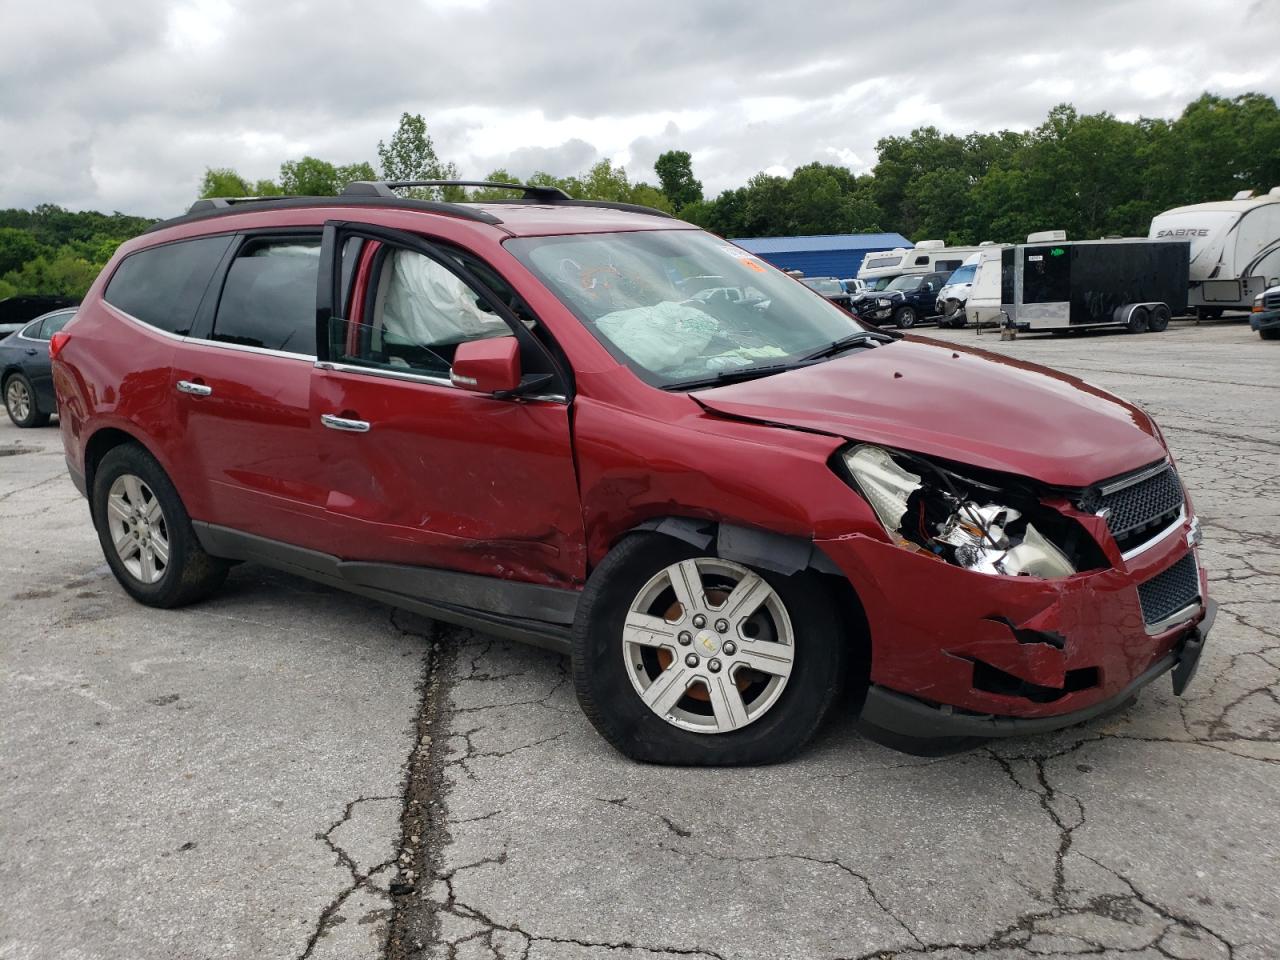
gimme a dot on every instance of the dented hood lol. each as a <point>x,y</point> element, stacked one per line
<point>959,404</point>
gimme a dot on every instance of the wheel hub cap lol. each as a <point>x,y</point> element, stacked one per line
<point>689,671</point>
<point>139,532</point>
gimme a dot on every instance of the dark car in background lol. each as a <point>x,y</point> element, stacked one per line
<point>25,379</point>
<point>1265,318</point>
<point>904,302</point>
<point>831,288</point>
<point>16,311</point>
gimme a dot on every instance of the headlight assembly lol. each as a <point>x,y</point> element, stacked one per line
<point>962,521</point>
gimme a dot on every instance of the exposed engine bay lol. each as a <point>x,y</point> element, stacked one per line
<point>966,522</point>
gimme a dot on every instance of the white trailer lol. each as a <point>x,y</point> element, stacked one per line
<point>927,256</point>
<point>1235,249</point>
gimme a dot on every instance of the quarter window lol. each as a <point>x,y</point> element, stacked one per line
<point>269,296</point>
<point>163,286</point>
<point>53,323</point>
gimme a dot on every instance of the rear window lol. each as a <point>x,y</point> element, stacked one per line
<point>269,297</point>
<point>163,286</point>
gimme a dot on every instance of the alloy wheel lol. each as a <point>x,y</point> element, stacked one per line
<point>708,645</point>
<point>138,528</point>
<point>18,399</point>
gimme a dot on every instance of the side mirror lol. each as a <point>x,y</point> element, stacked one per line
<point>487,366</point>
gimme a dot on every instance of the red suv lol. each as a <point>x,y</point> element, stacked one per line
<point>519,417</point>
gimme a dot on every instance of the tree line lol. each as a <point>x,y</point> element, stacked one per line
<point>1090,174</point>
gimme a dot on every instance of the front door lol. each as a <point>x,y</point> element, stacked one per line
<point>415,470</point>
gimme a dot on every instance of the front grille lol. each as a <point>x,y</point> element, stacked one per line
<point>1170,591</point>
<point>1139,510</point>
<point>1272,301</point>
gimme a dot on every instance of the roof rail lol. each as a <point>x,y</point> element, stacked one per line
<point>221,203</point>
<point>387,188</point>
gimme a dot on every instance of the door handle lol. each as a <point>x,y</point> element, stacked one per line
<point>342,423</point>
<point>31,351</point>
<point>195,389</point>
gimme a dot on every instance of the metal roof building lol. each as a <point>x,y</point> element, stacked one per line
<point>837,255</point>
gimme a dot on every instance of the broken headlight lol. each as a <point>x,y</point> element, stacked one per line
<point>965,522</point>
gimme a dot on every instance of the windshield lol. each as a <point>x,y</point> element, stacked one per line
<point>963,274</point>
<point>880,283</point>
<point>630,290</point>
<point>828,288</point>
<point>910,282</point>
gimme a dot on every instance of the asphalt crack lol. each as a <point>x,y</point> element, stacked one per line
<point>423,830</point>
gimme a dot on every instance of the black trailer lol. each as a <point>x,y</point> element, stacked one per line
<point>1138,284</point>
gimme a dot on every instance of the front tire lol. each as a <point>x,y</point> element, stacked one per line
<point>1139,319</point>
<point>680,657</point>
<point>905,317</point>
<point>146,533</point>
<point>1272,334</point>
<point>20,402</point>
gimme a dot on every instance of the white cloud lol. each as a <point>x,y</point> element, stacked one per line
<point>122,106</point>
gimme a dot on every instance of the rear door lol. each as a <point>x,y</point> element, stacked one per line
<point>242,386</point>
<point>418,471</point>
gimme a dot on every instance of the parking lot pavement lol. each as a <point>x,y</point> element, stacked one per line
<point>523,835</point>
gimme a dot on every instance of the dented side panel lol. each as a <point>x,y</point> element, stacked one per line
<point>674,460</point>
<point>449,478</point>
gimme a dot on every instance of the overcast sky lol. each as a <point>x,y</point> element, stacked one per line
<point>121,106</point>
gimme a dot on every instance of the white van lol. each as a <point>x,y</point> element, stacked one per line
<point>927,256</point>
<point>1235,248</point>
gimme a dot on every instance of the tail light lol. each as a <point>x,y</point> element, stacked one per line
<point>56,343</point>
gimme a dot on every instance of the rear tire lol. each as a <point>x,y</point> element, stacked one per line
<point>146,533</point>
<point>635,643</point>
<point>20,402</point>
<point>1159,320</point>
<point>1139,320</point>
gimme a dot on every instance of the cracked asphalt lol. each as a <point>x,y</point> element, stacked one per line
<point>287,772</point>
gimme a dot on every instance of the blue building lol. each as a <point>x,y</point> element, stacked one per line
<point>838,255</point>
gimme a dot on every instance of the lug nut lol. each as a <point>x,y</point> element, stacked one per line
<point>714,666</point>
<point>722,626</point>
<point>730,648</point>
<point>691,660</point>
<point>684,638</point>
<point>699,621</point>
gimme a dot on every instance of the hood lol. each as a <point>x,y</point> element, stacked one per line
<point>964,405</point>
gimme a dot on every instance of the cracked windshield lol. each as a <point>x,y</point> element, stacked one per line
<point>682,307</point>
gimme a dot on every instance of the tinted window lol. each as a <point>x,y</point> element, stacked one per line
<point>163,286</point>
<point>53,323</point>
<point>269,296</point>
<point>921,260</point>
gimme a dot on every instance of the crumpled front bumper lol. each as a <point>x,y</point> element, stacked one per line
<point>1064,650</point>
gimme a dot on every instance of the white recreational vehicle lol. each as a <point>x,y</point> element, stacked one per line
<point>1235,248</point>
<point>927,256</point>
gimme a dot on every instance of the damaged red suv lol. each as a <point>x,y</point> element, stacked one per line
<point>605,431</point>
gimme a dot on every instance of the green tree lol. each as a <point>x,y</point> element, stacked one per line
<point>224,182</point>
<point>410,154</point>
<point>16,248</point>
<point>675,173</point>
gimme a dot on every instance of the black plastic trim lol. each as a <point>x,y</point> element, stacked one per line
<point>463,211</point>
<point>529,612</point>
